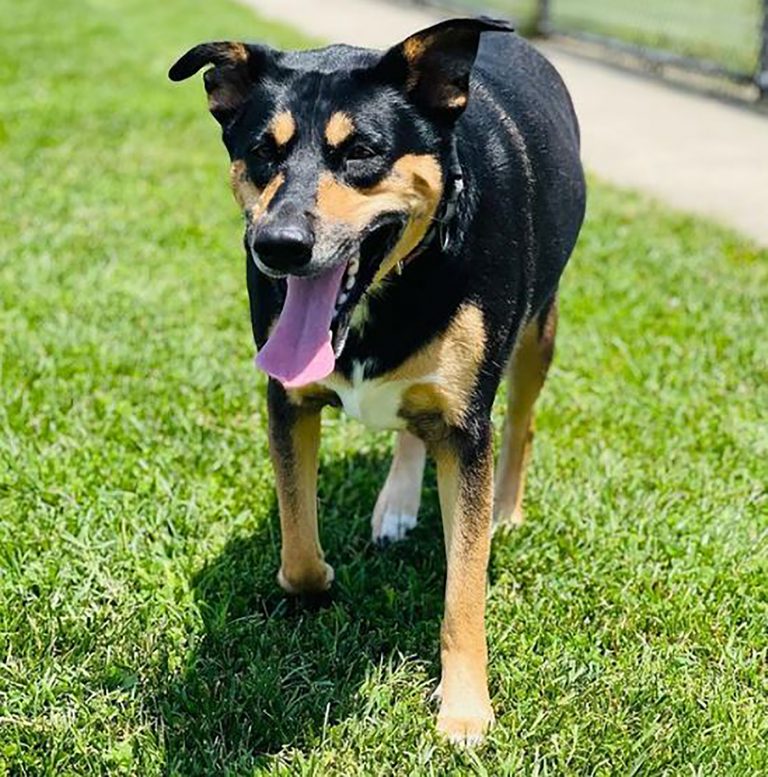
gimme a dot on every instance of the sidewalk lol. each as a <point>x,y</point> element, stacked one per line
<point>691,151</point>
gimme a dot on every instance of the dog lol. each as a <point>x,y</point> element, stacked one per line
<point>408,217</point>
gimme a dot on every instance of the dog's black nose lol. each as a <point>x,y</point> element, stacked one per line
<point>285,247</point>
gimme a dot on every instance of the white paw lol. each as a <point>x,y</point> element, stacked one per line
<point>393,526</point>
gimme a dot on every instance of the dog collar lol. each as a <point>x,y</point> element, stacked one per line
<point>440,228</point>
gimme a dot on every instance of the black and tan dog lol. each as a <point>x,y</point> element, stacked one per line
<point>408,216</point>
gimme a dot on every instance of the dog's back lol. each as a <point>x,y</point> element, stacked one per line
<point>520,120</point>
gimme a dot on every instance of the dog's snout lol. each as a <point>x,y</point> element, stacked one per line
<point>285,247</point>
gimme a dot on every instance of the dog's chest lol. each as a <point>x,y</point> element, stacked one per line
<point>376,402</point>
<point>429,390</point>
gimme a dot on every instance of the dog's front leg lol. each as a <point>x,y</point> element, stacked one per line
<point>465,475</point>
<point>294,439</point>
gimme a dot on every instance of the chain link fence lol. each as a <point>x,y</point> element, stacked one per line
<point>721,38</point>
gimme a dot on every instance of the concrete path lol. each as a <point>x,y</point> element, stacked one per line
<point>693,152</point>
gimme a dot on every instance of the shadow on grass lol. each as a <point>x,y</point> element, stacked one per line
<point>270,672</point>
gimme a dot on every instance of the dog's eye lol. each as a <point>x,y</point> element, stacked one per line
<point>266,151</point>
<point>359,152</point>
<point>361,161</point>
<point>263,151</point>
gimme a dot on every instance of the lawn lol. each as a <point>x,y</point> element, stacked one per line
<point>141,628</point>
<point>724,31</point>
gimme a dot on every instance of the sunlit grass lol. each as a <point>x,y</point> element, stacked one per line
<point>141,629</point>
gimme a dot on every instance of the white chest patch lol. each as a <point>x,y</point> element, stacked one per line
<point>375,402</point>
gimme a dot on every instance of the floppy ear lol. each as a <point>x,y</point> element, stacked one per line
<point>433,65</point>
<point>237,68</point>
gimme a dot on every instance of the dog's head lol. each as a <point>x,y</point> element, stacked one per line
<point>339,161</point>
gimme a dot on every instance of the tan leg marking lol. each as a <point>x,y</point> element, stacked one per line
<point>465,501</point>
<point>527,371</point>
<point>294,457</point>
<point>398,503</point>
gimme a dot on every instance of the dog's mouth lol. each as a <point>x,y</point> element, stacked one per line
<point>375,246</point>
<point>314,324</point>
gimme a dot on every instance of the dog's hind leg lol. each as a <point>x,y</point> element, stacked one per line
<point>294,440</point>
<point>398,503</point>
<point>527,371</point>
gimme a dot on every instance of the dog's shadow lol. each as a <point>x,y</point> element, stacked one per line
<point>270,672</point>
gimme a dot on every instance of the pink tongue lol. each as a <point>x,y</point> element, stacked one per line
<point>299,350</point>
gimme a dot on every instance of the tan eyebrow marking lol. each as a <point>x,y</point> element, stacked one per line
<point>283,127</point>
<point>339,127</point>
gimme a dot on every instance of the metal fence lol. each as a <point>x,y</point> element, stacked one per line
<point>726,39</point>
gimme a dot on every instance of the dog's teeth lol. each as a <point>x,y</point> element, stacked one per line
<point>343,297</point>
<point>350,282</point>
<point>354,266</point>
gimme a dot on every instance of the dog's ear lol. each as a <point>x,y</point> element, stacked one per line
<point>237,68</point>
<point>433,65</point>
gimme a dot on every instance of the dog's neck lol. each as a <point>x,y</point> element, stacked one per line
<point>439,232</point>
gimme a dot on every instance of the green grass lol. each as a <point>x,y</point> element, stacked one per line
<point>141,629</point>
<point>724,31</point>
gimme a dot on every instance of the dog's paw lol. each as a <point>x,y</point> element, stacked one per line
<point>396,509</point>
<point>313,580</point>
<point>398,502</point>
<point>508,520</point>
<point>392,527</point>
<point>466,728</point>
